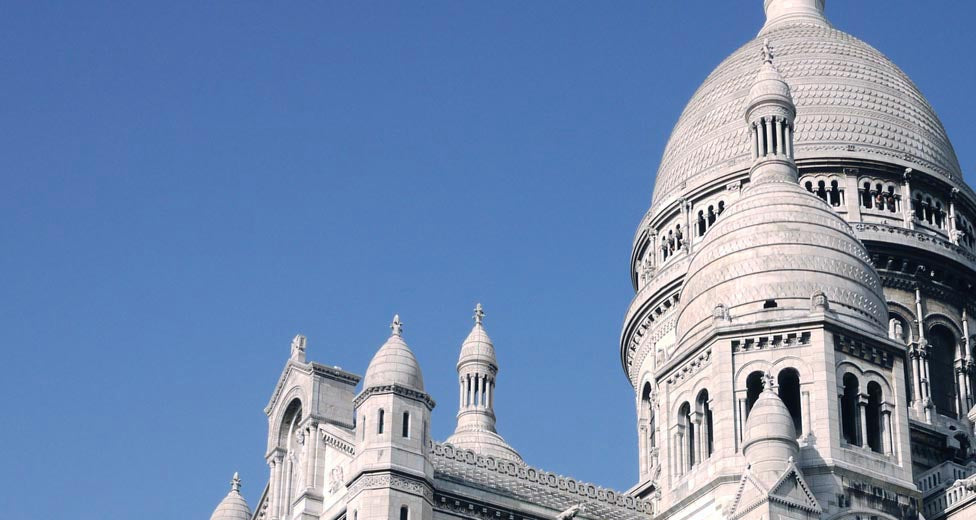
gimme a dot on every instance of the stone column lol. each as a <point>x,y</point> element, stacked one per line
<point>915,355</point>
<point>789,141</point>
<point>461,394</point>
<point>642,446</point>
<point>697,420</point>
<point>770,147</point>
<point>274,463</point>
<point>780,149</point>
<point>755,141</point>
<point>852,199</point>
<point>862,405</point>
<point>807,425</point>
<point>740,426</point>
<point>887,436</point>
<point>906,199</point>
<point>961,397</point>
<point>953,236</point>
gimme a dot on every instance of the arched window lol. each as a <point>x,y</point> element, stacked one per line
<point>711,215</point>
<point>941,373</point>
<point>706,433</point>
<point>866,195</point>
<point>754,387</point>
<point>688,430</point>
<point>822,190</point>
<point>835,194</point>
<point>406,425</point>
<point>848,410</point>
<point>404,513</point>
<point>873,414</point>
<point>379,421</point>
<point>789,393</point>
<point>701,223</point>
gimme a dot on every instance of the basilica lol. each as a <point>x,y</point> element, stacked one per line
<point>799,340</point>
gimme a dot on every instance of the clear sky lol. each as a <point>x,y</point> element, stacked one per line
<point>187,185</point>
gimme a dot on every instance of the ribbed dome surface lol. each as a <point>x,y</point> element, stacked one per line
<point>233,506</point>
<point>780,243</point>
<point>846,93</point>
<point>484,442</point>
<point>394,364</point>
<point>477,347</point>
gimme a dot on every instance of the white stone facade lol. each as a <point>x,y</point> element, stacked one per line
<point>799,342</point>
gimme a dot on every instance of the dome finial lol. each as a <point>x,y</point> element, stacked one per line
<point>768,381</point>
<point>479,314</point>
<point>235,483</point>
<point>396,326</point>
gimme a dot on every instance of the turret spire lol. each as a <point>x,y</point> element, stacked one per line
<point>477,370</point>
<point>770,114</point>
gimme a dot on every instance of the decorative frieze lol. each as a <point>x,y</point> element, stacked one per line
<point>394,389</point>
<point>863,350</point>
<point>337,443</point>
<point>770,342</point>
<point>690,368</point>
<point>391,481</point>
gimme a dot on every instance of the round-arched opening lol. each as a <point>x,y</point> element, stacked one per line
<point>848,411</point>
<point>873,415</point>
<point>289,422</point>
<point>941,372</point>
<point>705,413</point>
<point>789,393</point>
<point>754,387</point>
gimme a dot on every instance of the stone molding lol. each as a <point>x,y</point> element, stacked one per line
<point>389,480</point>
<point>541,487</point>
<point>395,389</point>
<point>337,443</point>
<point>863,350</point>
<point>690,368</point>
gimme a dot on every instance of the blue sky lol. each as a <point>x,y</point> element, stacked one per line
<point>187,185</point>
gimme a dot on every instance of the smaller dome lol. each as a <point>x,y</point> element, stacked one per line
<point>477,347</point>
<point>769,88</point>
<point>394,363</point>
<point>770,438</point>
<point>484,442</point>
<point>233,506</point>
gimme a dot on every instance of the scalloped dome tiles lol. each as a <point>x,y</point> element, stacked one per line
<point>846,92</point>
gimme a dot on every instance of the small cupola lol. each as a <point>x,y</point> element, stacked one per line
<point>233,506</point>
<point>394,363</point>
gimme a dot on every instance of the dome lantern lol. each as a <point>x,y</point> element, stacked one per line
<point>794,11</point>
<point>770,114</point>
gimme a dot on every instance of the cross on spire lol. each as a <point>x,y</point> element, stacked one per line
<point>767,51</point>
<point>396,326</point>
<point>235,483</point>
<point>479,314</point>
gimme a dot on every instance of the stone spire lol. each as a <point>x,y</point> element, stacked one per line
<point>477,369</point>
<point>794,11</point>
<point>233,506</point>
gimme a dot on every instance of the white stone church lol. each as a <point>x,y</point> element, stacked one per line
<point>799,343</point>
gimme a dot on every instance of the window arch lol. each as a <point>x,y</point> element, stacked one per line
<point>848,410</point>
<point>405,433</point>
<point>291,417</point>
<point>688,442</point>
<point>380,416</point>
<point>873,415</point>
<point>789,393</point>
<point>404,513</point>
<point>707,436</point>
<point>941,372</point>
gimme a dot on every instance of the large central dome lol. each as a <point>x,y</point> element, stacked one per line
<point>851,101</point>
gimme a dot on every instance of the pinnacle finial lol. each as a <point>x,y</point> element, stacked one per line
<point>767,52</point>
<point>396,326</point>
<point>769,382</point>
<point>235,483</point>
<point>479,314</point>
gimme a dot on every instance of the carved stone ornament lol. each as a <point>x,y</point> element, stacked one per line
<point>819,302</point>
<point>335,479</point>
<point>571,512</point>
